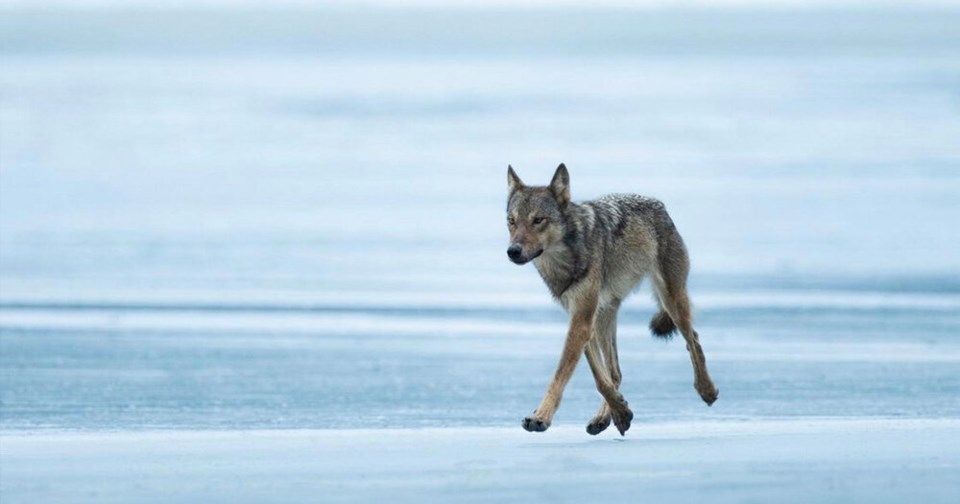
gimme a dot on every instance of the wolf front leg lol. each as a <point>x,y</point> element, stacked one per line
<point>622,416</point>
<point>581,322</point>
<point>604,342</point>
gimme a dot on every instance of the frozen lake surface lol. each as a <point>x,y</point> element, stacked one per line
<point>813,460</point>
<point>267,261</point>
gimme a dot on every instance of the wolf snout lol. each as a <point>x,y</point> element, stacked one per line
<point>515,253</point>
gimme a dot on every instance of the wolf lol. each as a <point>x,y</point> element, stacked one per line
<point>591,256</point>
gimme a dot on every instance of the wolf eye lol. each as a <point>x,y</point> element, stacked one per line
<point>538,220</point>
<point>511,221</point>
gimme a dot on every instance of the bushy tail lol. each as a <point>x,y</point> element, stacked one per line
<point>662,326</point>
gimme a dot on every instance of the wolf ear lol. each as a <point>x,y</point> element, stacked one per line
<point>560,185</point>
<point>513,181</point>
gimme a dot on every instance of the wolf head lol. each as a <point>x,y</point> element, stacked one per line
<point>535,215</point>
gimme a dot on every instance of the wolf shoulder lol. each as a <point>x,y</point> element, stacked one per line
<point>630,204</point>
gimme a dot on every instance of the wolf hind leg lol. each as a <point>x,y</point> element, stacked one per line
<point>671,289</point>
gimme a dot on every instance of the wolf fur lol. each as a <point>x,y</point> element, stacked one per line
<point>592,255</point>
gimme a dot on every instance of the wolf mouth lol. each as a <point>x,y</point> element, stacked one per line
<point>525,260</point>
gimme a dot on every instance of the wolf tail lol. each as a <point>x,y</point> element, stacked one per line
<point>662,326</point>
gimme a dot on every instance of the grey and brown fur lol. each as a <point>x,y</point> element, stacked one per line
<point>592,255</point>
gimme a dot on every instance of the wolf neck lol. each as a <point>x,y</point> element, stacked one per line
<point>566,263</point>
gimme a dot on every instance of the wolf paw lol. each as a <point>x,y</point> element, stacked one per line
<point>598,425</point>
<point>535,424</point>
<point>622,418</point>
<point>708,393</point>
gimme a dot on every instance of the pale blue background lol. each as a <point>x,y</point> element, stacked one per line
<point>215,218</point>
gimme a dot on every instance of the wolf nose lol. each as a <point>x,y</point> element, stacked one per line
<point>514,252</point>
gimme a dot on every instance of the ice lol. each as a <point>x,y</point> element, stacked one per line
<point>810,460</point>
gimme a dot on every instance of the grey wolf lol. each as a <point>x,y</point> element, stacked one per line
<point>592,255</point>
